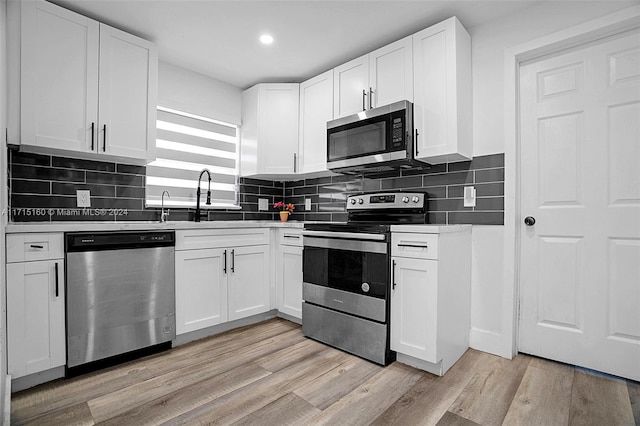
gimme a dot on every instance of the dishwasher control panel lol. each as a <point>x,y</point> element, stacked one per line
<point>118,240</point>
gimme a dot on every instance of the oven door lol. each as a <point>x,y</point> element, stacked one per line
<point>351,262</point>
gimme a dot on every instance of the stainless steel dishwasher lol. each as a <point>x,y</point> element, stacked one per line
<point>120,293</point>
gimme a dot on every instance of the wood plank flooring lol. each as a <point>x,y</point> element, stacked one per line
<point>270,374</point>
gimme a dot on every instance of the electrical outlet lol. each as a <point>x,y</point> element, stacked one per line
<point>307,204</point>
<point>263,204</point>
<point>83,198</point>
<point>469,196</point>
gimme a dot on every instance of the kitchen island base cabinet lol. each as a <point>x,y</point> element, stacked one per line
<point>431,296</point>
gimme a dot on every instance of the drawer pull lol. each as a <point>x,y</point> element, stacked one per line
<point>292,236</point>
<point>36,246</point>
<point>413,245</point>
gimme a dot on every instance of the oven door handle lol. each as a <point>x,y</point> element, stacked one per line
<point>345,235</point>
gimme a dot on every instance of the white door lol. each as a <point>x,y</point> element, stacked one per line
<point>316,108</point>
<point>391,73</point>
<point>414,311</point>
<point>59,77</point>
<point>128,68</point>
<point>350,87</point>
<point>201,289</point>
<point>290,281</point>
<point>580,181</point>
<point>249,274</point>
<point>35,316</point>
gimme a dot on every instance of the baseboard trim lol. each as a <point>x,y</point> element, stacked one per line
<point>35,379</point>
<point>290,318</point>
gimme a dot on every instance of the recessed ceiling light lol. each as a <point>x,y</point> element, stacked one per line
<point>266,39</point>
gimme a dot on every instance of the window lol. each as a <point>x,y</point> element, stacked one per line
<point>186,144</point>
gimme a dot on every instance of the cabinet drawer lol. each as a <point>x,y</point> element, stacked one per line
<point>220,238</point>
<point>290,237</point>
<point>28,247</point>
<point>417,246</point>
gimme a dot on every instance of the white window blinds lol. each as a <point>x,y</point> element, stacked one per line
<point>186,144</point>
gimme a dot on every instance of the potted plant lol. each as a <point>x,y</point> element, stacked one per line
<point>285,209</point>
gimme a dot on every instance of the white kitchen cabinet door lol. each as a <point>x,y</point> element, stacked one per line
<point>391,73</point>
<point>201,289</point>
<point>59,77</point>
<point>269,133</point>
<point>414,308</point>
<point>127,95</point>
<point>248,281</point>
<point>316,108</point>
<point>442,93</point>
<point>35,316</point>
<point>351,87</point>
<point>289,285</point>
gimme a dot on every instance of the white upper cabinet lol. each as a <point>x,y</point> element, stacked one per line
<point>85,87</point>
<point>442,93</point>
<point>269,135</point>
<point>379,78</point>
<point>316,108</point>
<point>391,73</point>
<point>350,87</point>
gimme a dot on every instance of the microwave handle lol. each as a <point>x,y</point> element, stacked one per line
<point>415,142</point>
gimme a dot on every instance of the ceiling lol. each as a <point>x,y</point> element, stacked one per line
<point>220,38</point>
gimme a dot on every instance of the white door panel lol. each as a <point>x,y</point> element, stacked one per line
<point>580,170</point>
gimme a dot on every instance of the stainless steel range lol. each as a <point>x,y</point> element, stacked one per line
<point>347,273</point>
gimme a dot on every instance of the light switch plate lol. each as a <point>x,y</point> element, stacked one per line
<point>83,197</point>
<point>469,196</point>
<point>263,204</point>
<point>307,203</point>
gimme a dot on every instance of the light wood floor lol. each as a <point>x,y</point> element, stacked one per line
<point>270,374</point>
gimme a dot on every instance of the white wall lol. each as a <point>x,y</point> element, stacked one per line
<point>3,207</point>
<point>491,321</point>
<point>188,91</point>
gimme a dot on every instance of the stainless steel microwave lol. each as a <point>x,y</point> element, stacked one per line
<point>375,140</point>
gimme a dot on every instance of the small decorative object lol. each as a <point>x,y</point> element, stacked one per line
<point>285,209</point>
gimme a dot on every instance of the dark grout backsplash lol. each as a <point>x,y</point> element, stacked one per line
<point>43,188</point>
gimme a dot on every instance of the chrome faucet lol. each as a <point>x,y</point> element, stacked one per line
<point>197,219</point>
<point>163,215</point>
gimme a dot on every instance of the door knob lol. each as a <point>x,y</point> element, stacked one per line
<point>529,221</point>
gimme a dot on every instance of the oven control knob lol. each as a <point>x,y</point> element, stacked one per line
<point>415,199</point>
<point>360,201</point>
<point>352,201</point>
<point>405,199</point>
<point>365,287</point>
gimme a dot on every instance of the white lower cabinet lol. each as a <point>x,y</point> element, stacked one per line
<point>221,275</point>
<point>431,296</point>
<point>35,306</point>
<point>289,273</point>
<point>248,281</point>
<point>201,289</point>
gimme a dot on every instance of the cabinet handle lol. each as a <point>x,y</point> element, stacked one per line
<point>295,160</point>
<point>104,138</point>
<point>364,95</point>
<point>415,142</point>
<point>292,236</point>
<point>224,268</point>
<point>393,274</point>
<point>36,246</point>
<point>370,98</point>
<point>413,245</point>
<point>56,270</point>
<point>93,125</point>
<point>233,261</point>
